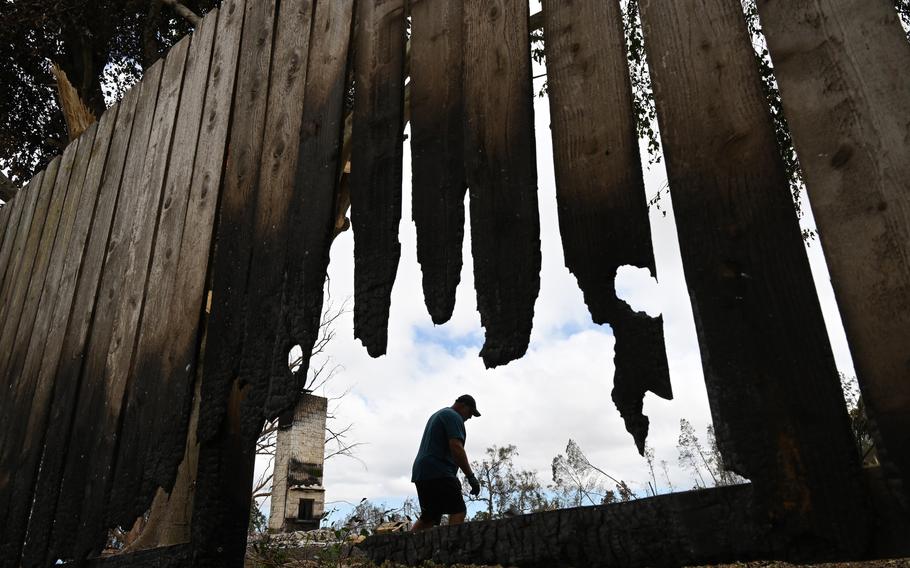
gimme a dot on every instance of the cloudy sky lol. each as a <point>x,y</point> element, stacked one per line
<point>559,390</point>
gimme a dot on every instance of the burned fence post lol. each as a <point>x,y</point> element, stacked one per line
<point>844,73</point>
<point>772,384</point>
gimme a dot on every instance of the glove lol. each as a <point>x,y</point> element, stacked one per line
<point>475,485</point>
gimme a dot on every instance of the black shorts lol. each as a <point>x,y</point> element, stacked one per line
<point>439,497</point>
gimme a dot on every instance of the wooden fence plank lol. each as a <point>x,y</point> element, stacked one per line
<point>16,219</point>
<point>600,192</point>
<point>46,356</point>
<point>17,349</point>
<point>29,239</point>
<point>188,303</point>
<point>32,396</point>
<point>17,250</point>
<point>437,148</point>
<point>95,400</point>
<point>4,224</point>
<point>234,243</point>
<point>158,392</point>
<point>12,314</point>
<point>225,469</point>
<point>311,223</point>
<point>844,73</point>
<point>774,392</point>
<point>127,305</point>
<point>65,370</point>
<point>501,174</point>
<point>376,162</point>
<point>274,392</point>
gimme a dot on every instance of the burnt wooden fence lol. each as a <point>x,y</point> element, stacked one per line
<point>154,277</point>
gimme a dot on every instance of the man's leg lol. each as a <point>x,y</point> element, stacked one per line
<point>423,524</point>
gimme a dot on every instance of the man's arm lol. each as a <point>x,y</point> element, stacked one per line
<point>460,456</point>
<point>461,460</point>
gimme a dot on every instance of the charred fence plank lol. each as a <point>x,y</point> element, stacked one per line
<point>600,192</point>
<point>66,368</point>
<point>233,239</point>
<point>31,398</point>
<point>437,148</point>
<point>187,304</point>
<point>844,73</point>
<point>772,385</point>
<point>224,476</point>
<point>501,172</point>
<point>157,399</point>
<point>310,227</point>
<point>274,392</point>
<point>376,164</point>
<point>97,403</point>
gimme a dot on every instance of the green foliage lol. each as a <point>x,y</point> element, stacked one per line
<point>860,425</point>
<point>102,45</point>
<point>505,490</point>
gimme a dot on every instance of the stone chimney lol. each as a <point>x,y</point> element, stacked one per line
<point>298,497</point>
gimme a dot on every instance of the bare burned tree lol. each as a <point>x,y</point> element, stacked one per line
<point>321,371</point>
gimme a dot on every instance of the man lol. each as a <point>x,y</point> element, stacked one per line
<point>435,469</point>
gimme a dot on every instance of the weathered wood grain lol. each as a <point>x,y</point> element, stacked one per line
<point>225,461</point>
<point>16,349</point>
<point>274,392</point>
<point>158,395</point>
<point>21,255</point>
<point>97,404</point>
<point>502,174</point>
<point>31,398</point>
<point>600,192</point>
<point>233,240</point>
<point>844,73</point>
<point>4,224</point>
<point>437,148</point>
<point>318,166</point>
<point>188,304</point>
<point>772,384</point>
<point>132,271</point>
<point>11,315</point>
<point>21,210</point>
<point>65,369</point>
<point>376,164</point>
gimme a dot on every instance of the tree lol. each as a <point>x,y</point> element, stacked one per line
<point>103,46</point>
<point>320,372</point>
<point>505,490</point>
<point>694,457</point>
<point>577,482</point>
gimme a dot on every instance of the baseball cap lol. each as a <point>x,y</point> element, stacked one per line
<point>468,400</point>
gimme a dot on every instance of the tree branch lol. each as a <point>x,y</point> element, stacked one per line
<point>184,12</point>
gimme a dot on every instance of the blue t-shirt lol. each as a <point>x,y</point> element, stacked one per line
<point>434,458</point>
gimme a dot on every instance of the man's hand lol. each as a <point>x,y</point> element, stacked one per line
<point>475,485</point>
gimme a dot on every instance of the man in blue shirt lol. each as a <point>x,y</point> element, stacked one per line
<point>436,466</point>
